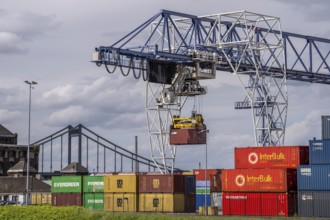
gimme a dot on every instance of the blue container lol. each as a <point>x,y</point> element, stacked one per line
<point>201,183</point>
<point>200,200</point>
<point>319,151</point>
<point>190,184</point>
<point>313,177</point>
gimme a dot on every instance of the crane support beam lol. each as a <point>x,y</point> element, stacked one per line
<point>171,35</point>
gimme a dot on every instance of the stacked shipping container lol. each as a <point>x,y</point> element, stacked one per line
<point>93,188</point>
<point>203,186</point>
<point>264,182</point>
<point>67,191</point>
<point>121,193</point>
<point>166,193</point>
<point>314,181</point>
<point>216,191</point>
<point>126,192</point>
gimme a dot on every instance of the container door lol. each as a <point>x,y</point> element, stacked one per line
<point>125,205</point>
<point>252,204</point>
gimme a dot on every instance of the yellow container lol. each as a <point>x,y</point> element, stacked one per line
<point>41,198</point>
<point>121,202</point>
<point>161,202</point>
<point>212,210</point>
<point>187,173</point>
<point>121,183</point>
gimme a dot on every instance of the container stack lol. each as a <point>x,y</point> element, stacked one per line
<point>203,187</point>
<point>264,181</point>
<point>216,191</point>
<point>93,188</point>
<point>121,192</point>
<point>167,193</point>
<point>314,181</point>
<point>67,191</point>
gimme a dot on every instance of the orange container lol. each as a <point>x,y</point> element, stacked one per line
<point>187,136</point>
<point>271,157</point>
<point>259,180</point>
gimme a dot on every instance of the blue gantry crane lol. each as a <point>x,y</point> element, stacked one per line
<point>174,51</point>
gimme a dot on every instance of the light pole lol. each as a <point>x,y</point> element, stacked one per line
<point>207,131</point>
<point>205,172</point>
<point>28,149</point>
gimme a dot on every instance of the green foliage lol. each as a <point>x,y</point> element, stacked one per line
<point>41,212</point>
<point>74,213</point>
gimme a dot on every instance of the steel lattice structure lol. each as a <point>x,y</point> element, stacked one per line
<point>242,43</point>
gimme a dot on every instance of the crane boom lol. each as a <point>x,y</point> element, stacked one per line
<point>173,51</point>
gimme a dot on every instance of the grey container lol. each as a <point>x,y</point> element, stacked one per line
<point>313,204</point>
<point>325,126</point>
<point>319,151</point>
<point>313,177</point>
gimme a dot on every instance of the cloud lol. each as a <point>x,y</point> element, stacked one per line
<point>300,132</point>
<point>18,28</point>
<point>7,116</point>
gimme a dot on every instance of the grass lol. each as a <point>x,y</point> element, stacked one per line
<point>80,213</point>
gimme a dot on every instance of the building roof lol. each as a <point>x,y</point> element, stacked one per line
<point>20,167</point>
<point>5,132</point>
<point>10,185</point>
<point>75,167</point>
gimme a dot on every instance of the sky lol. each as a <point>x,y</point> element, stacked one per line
<point>51,42</point>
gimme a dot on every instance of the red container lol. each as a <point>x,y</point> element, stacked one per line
<point>66,199</point>
<point>271,157</point>
<point>161,183</point>
<point>187,136</point>
<point>259,180</point>
<point>215,183</point>
<point>200,173</point>
<point>259,204</point>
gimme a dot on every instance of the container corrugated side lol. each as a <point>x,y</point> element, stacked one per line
<point>162,183</point>
<point>121,202</point>
<point>325,120</point>
<point>121,184</point>
<point>41,198</point>
<point>200,173</point>
<point>314,204</point>
<point>190,203</point>
<point>216,200</point>
<point>215,183</point>
<point>319,151</point>
<point>259,204</point>
<point>189,184</point>
<point>187,136</point>
<point>93,184</point>
<point>259,180</point>
<point>162,202</point>
<point>203,183</point>
<point>271,157</point>
<point>66,184</point>
<point>67,199</point>
<point>94,201</point>
<point>314,177</point>
<point>201,190</point>
<point>200,200</point>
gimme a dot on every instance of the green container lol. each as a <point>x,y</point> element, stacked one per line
<point>66,184</point>
<point>202,191</point>
<point>93,184</point>
<point>94,201</point>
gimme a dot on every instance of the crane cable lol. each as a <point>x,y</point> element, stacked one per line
<point>130,66</point>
